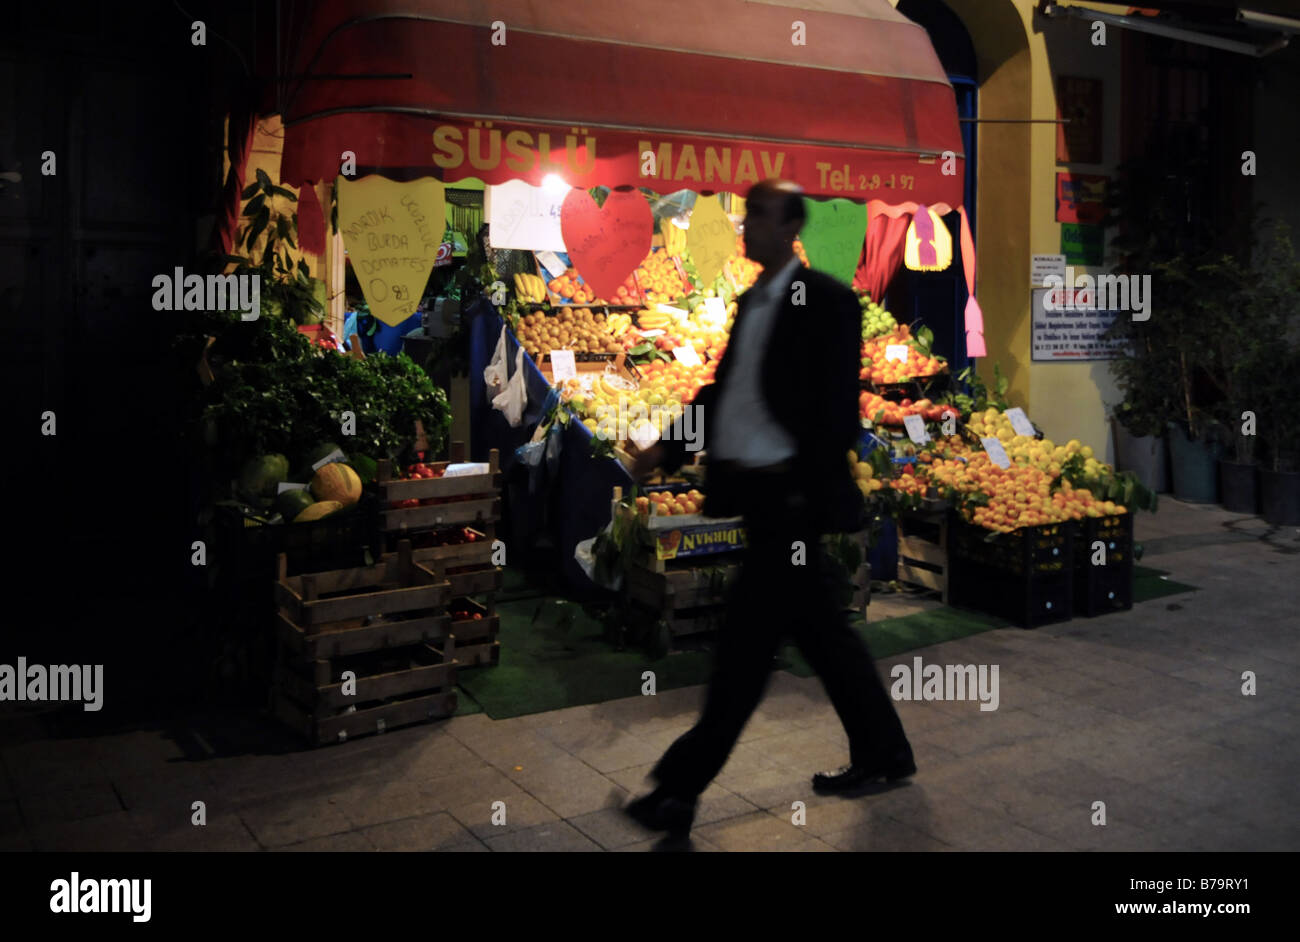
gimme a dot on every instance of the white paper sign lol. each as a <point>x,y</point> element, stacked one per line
<point>1044,266</point>
<point>663,308</point>
<point>334,455</point>
<point>465,469</point>
<point>915,426</point>
<point>552,264</point>
<point>715,312</point>
<point>1020,422</point>
<point>523,216</point>
<point>643,436</point>
<point>657,332</point>
<point>563,366</point>
<point>687,355</point>
<point>997,454</point>
<point>289,486</point>
<point>896,351</point>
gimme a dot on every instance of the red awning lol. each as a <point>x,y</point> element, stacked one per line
<point>716,91</point>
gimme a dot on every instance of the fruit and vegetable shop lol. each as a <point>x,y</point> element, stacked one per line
<point>579,296</point>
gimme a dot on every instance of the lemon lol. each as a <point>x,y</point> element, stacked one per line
<point>1005,435</point>
<point>1086,451</point>
<point>1073,445</point>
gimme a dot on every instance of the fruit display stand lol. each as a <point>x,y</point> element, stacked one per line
<point>387,625</point>
<point>452,531</point>
<point>1026,575</point>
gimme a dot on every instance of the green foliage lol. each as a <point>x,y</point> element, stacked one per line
<point>275,392</point>
<point>287,287</point>
<point>979,397</point>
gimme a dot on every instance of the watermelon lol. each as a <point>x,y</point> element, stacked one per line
<point>338,482</point>
<point>260,478</point>
<point>318,510</point>
<point>291,503</point>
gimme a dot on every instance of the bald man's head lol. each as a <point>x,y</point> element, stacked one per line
<point>774,214</point>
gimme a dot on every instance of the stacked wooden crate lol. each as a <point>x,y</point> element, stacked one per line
<point>453,533</point>
<point>923,547</point>
<point>667,598</point>
<point>363,650</point>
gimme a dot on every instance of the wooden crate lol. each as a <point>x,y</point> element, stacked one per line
<point>482,508</point>
<point>318,685</point>
<point>349,611</point>
<point>485,629</point>
<point>923,549</point>
<point>320,730</point>
<point>476,553</point>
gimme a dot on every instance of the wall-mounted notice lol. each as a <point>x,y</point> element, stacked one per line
<point>523,216</point>
<point>1043,267</point>
<point>392,233</point>
<point>1073,330</point>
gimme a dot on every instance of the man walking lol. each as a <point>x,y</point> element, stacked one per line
<point>778,422</point>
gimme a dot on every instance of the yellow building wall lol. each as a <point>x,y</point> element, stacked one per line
<point>1019,57</point>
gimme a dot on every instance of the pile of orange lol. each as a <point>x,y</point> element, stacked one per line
<point>670,505</point>
<point>879,370</point>
<point>680,381</point>
<point>660,279</point>
<point>569,288</point>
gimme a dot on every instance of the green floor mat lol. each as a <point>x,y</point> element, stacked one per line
<point>1151,584</point>
<point>554,653</point>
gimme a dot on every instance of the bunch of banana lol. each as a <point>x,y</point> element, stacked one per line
<point>529,287</point>
<point>654,320</point>
<point>618,324</point>
<point>674,239</point>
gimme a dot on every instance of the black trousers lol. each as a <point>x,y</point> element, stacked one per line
<point>774,598</point>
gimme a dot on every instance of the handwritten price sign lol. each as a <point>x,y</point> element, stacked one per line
<point>606,244</point>
<point>833,236</point>
<point>393,233</point>
<point>523,216</point>
<point>711,238</point>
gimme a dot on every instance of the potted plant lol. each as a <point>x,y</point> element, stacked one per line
<point>1270,372</point>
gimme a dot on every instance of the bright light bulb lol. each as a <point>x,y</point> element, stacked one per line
<point>552,183</point>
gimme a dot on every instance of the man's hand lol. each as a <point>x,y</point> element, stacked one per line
<point>646,462</point>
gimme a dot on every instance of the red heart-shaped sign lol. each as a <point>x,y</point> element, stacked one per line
<point>607,243</point>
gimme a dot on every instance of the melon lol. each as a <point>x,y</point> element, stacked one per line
<point>260,478</point>
<point>337,481</point>
<point>305,470</point>
<point>318,510</point>
<point>291,503</point>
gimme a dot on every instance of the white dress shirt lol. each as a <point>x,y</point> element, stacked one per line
<point>744,430</point>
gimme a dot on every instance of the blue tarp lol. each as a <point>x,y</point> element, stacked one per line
<point>579,490</point>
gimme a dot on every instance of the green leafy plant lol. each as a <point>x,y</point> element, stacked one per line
<point>273,391</point>
<point>287,287</point>
<point>979,397</point>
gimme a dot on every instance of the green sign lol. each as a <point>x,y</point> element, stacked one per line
<point>833,236</point>
<point>1082,244</point>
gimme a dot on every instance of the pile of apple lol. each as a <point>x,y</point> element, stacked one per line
<point>876,321</point>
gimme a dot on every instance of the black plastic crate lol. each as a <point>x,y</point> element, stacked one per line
<point>1103,588</point>
<point>1045,549</point>
<point>1028,599</point>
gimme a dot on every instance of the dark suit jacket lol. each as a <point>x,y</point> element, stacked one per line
<point>810,385</point>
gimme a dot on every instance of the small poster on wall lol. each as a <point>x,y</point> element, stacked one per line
<point>1080,197</point>
<point>1082,245</point>
<point>1078,102</point>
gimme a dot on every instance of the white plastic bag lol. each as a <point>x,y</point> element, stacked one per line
<point>513,400</point>
<point>585,554</point>
<point>494,374</point>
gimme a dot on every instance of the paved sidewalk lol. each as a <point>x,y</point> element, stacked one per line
<point>1141,710</point>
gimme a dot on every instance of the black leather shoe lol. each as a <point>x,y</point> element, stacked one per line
<point>853,777</point>
<point>660,812</point>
